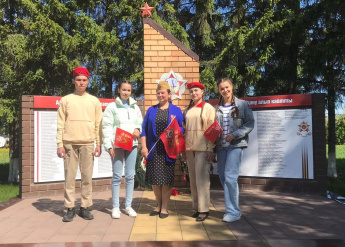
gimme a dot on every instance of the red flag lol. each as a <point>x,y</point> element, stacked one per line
<point>213,131</point>
<point>172,138</point>
<point>123,139</point>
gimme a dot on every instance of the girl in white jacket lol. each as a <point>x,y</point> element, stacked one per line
<point>125,114</point>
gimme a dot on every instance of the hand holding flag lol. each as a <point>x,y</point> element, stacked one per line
<point>172,138</point>
<point>123,139</point>
<point>213,131</point>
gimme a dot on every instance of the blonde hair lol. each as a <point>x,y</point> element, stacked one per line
<point>169,92</point>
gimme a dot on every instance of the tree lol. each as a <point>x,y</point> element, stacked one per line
<point>245,28</point>
<point>323,65</point>
<point>116,52</point>
<point>282,73</point>
<point>37,58</point>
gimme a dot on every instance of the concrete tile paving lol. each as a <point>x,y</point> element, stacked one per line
<point>268,218</point>
<point>179,226</point>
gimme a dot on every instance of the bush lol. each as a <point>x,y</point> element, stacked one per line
<point>7,190</point>
<point>339,130</point>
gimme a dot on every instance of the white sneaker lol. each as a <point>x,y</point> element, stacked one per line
<point>231,218</point>
<point>130,211</point>
<point>115,213</point>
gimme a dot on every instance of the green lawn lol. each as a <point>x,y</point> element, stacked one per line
<point>7,190</point>
<point>338,185</point>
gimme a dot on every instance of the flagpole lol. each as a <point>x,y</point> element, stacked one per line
<point>169,124</point>
<point>159,137</point>
<point>153,147</point>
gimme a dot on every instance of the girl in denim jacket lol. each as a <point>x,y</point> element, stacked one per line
<point>237,121</point>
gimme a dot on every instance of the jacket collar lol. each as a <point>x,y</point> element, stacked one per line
<point>199,105</point>
<point>131,101</point>
<point>158,105</point>
<point>220,108</point>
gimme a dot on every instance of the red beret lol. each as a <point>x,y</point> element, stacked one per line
<point>195,84</point>
<point>81,71</point>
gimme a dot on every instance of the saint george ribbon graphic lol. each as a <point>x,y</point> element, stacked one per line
<point>123,139</point>
<point>213,131</point>
<point>172,139</point>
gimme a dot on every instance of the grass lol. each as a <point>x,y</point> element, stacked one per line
<point>337,185</point>
<point>7,190</point>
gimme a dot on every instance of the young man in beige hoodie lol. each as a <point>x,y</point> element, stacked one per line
<point>78,127</point>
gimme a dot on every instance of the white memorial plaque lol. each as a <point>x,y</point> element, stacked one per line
<point>48,166</point>
<point>280,145</point>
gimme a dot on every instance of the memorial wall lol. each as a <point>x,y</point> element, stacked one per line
<point>287,147</point>
<point>287,150</point>
<point>280,145</point>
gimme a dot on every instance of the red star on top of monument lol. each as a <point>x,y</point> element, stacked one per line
<point>146,10</point>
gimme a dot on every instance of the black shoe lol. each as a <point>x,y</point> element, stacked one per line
<point>85,213</point>
<point>196,214</point>
<point>199,218</point>
<point>70,214</point>
<point>163,216</point>
<point>154,213</point>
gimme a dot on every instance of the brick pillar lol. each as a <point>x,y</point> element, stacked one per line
<point>163,53</point>
<point>26,171</point>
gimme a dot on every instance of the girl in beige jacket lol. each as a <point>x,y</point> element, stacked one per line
<point>198,116</point>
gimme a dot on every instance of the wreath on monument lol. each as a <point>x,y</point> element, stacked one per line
<point>140,173</point>
<point>184,169</point>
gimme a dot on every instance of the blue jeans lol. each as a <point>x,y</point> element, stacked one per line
<point>228,161</point>
<point>129,157</point>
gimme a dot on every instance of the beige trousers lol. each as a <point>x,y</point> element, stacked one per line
<point>81,155</point>
<point>199,177</point>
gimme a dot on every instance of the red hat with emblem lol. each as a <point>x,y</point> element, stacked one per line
<point>195,84</point>
<point>81,71</point>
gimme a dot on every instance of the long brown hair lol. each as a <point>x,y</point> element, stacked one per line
<point>202,109</point>
<point>117,94</point>
<point>221,99</point>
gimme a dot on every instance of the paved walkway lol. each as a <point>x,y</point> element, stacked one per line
<point>179,226</point>
<point>269,219</point>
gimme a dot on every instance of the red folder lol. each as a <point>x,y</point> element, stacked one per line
<point>213,131</point>
<point>123,139</point>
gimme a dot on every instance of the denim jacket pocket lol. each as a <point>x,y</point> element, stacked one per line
<point>235,124</point>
